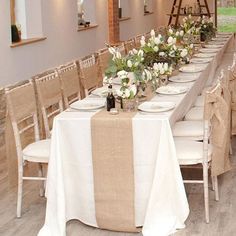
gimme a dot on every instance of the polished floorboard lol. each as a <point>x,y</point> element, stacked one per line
<point>222,213</point>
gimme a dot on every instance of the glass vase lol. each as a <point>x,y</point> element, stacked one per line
<point>129,105</point>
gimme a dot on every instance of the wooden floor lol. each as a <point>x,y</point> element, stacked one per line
<point>222,213</point>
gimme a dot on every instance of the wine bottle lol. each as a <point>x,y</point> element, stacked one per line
<point>110,99</point>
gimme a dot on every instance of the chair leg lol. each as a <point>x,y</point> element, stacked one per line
<point>206,192</point>
<point>42,189</point>
<point>212,183</point>
<point>216,188</point>
<point>230,149</point>
<point>19,194</point>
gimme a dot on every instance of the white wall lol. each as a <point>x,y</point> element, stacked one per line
<point>64,43</point>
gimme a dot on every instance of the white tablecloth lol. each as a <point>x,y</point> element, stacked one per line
<point>161,205</point>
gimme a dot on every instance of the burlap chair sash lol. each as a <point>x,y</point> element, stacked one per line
<point>49,89</point>
<point>104,58</point>
<point>217,112</point>
<point>232,86</point>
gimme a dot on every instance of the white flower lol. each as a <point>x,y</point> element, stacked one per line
<point>118,55</point>
<point>119,92</point>
<point>157,40</point>
<point>155,49</point>
<point>161,54</point>
<point>174,47</point>
<point>122,74</point>
<point>152,33</point>
<point>149,45</point>
<point>147,75</point>
<point>129,63</point>
<point>177,33</point>
<point>170,31</point>
<point>142,42</point>
<point>181,33</point>
<point>133,89</point>
<point>162,71</point>
<point>166,66</point>
<point>140,53</point>
<point>136,64</point>
<point>135,51</point>
<point>155,66</point>
<point>184,53</point>
<point>127,93</point>
<point>170,40</point>
<point>191,45</point>
<point>143,38</point>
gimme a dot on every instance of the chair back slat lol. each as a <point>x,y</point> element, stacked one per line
<point>89,73</point>
<point>48,88</point>
<point>70,83</point>
<point>104,58</point>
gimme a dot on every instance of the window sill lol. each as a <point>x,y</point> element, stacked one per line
<point>148,13</point>
<point>124,18</point>
<point>27,41</point>
<point>82,28</point>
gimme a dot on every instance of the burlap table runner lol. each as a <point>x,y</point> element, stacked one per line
<point>113,170</point>
<point>218,112</point>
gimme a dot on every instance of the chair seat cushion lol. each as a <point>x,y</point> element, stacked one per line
<point>192,130</point>
<point>190,152</point>
<point>38,151</point>
<point>195,113</point>
<point>199,101</point>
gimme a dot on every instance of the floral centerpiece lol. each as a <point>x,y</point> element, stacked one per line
<point>131,72</point>
<point>206,26</point>
<point>191,30</point>
<point>158,49</point>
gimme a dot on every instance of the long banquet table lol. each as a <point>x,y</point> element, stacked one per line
<point>161,206</point>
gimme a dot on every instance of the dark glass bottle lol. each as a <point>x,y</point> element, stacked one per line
<point>111,103</point>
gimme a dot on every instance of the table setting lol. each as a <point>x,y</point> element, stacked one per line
<point>111,169</point>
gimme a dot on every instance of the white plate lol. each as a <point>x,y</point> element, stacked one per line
<point>204,55</point>
<point>219,39</point>
<point>155,107</point>
<point>192,68</point>
<point>102,92</point>
<point>172,90</point>
<point>182,79</point>
<point>88,104</point>
<point>216,43</point>
<point>197,60</point>
<point>213,46</point>
<point>209,50</point>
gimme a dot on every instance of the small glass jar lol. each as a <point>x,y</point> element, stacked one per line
<point>129,105</point>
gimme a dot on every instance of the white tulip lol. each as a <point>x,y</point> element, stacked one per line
<point>161,54</point>
<point>140,53</point>
<point>133,88</point>
<point>155,49</point>
<point>166,66</point>
<point>119,92</point>
<point>112,50</point>
<point>184,53</point>
<point>177,33</point>
<point>129,63</point>
<point>127,93</point>
<point>181,33</point>
<point>162,71</point>
<point>157,40</point>
<point>171,31</point>
<point>118,55</point>
<point>135,51</point>
<point>170,40</point>
<point>142,42</point>
<point>152,33</point>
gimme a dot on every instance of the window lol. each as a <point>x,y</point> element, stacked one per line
<point>124,9</point>
<point>148,8</point>
<point>86,12</point>
<point>26,19</point>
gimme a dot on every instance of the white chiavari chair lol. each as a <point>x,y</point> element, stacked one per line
<point>104,58</point>
<point>70,83</point>
<point>48,87</point>
<point>21,105</point>
<point>89,74</point>
<point>193,153</point>
<point>137,40</point>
